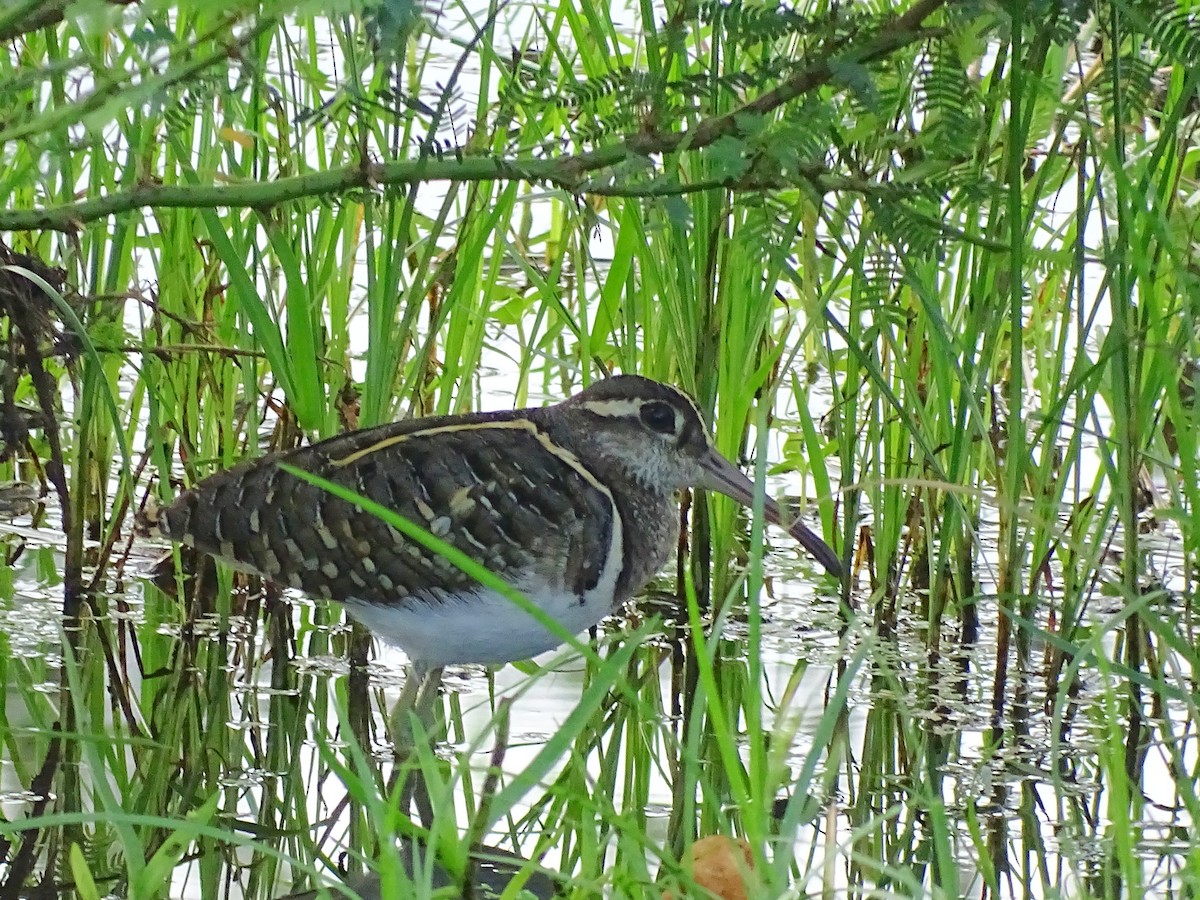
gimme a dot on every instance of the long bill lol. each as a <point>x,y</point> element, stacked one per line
<point>724,477</point>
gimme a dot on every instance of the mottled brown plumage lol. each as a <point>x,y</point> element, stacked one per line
<point>573,504</point>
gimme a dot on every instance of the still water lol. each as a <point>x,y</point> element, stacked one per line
<point>262,693</point>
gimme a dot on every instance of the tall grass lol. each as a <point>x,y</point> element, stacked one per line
<point>928,269</point>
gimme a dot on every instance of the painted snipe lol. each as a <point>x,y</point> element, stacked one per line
<point>572,504</point>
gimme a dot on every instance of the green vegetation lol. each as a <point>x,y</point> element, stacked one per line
<point>931,265</point>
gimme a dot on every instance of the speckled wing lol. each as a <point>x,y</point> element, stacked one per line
<point>494,486</point>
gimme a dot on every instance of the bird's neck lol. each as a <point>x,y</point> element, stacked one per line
<point>649,511</point>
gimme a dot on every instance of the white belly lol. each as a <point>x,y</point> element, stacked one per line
<point>484,627</point>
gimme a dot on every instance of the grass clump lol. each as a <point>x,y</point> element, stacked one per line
<point>929,266</point>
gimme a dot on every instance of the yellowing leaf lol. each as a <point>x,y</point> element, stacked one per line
<point>243,138</point>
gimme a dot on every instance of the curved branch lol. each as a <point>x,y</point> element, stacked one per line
<point>577,174</point>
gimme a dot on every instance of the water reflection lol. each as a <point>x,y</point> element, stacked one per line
<point>880,751</point>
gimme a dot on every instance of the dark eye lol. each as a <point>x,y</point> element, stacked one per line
<point>658,416</point>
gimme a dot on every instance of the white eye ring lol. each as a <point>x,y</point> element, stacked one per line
<point>659,417</point>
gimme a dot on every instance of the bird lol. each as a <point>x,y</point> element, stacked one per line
<point>573,504</point>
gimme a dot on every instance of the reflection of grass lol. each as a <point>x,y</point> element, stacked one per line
<point>950,295</point>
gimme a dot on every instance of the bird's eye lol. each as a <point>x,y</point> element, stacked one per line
<point>659,417</point>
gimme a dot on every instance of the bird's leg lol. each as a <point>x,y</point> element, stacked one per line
<point>416,699</point>
<point>399,723</point>
<point>427,697</point>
